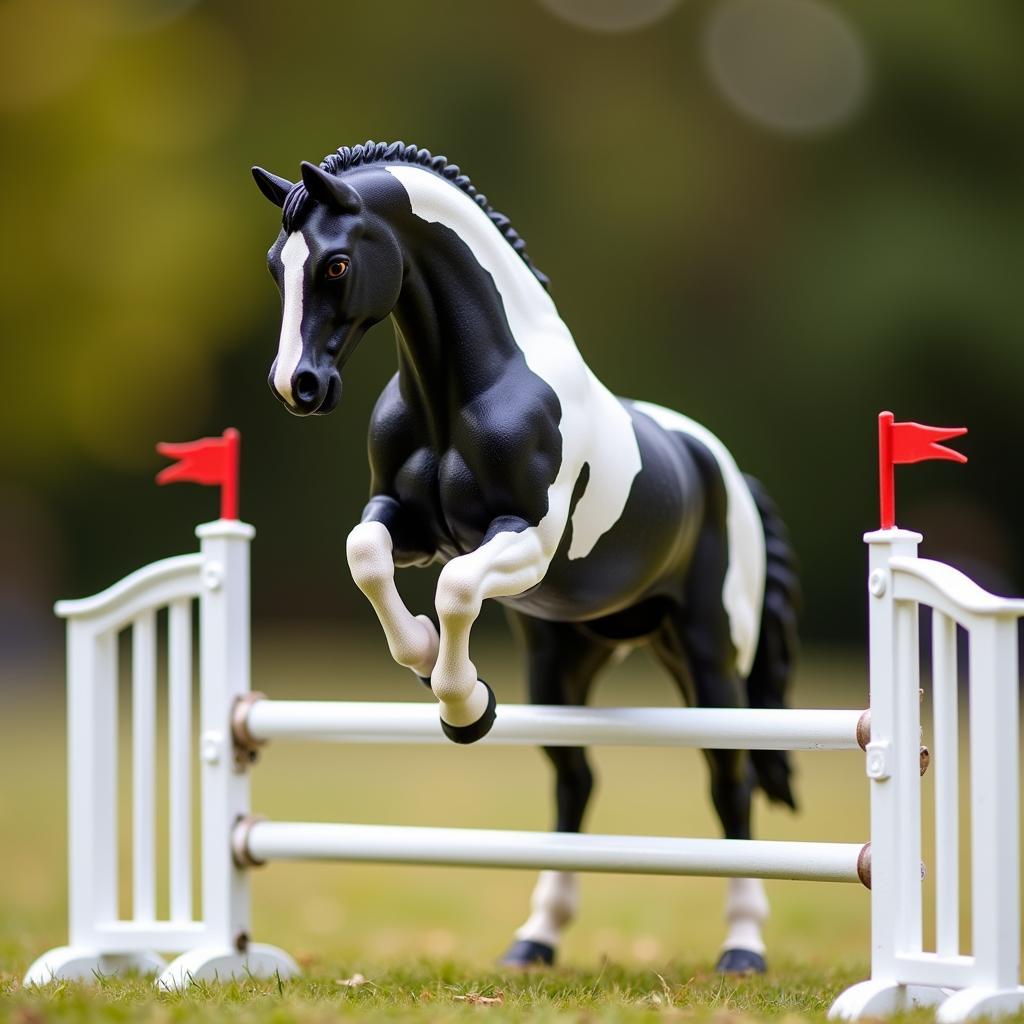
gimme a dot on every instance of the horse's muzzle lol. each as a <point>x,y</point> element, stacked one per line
<point>312,394</point>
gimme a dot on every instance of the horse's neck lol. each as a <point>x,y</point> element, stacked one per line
<point>451,346</point>
<point>469,304</point>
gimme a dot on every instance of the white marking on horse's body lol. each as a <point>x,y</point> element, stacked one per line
<point>412,639</point>
<point>746,909</point>
<point>289,349</point>
<point>743,590</point>
<point>553,905</point>
<point>596,429</point>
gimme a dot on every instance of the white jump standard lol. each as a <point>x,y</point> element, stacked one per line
<point>234,722</point>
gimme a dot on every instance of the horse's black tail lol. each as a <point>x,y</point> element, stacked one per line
<point>777,647</point>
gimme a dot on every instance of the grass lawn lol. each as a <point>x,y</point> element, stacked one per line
<point>425,939</point>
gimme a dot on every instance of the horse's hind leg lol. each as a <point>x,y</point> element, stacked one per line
<point>699,658</point>
<point>562,663</point>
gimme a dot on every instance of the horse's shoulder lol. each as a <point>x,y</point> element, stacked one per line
<point>516,410</point>
<point>393,437</point>
<point>391,421</point>
<point>390,406</point>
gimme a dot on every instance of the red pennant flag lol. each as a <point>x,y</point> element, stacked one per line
<point>210,460</point>
<point>901,443</point>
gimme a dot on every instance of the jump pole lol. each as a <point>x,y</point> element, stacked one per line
<point>257,842</point>
<point>257,719</point>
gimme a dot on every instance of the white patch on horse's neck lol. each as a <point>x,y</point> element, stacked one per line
<point>289,350</point>
<point>439,202</point>
<point>596,429</point>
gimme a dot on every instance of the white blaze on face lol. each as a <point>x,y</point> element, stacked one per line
<point>289,351</point>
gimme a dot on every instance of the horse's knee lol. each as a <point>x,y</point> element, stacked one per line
<point>416,646</point>
<point>730,768</point>
<point>370,560</point>
<point>571,766</point>
<point>458,592</point>
<point>574,783</point>
<point>731,788</point>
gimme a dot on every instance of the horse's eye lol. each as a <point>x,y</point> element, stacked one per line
<point>337,268</point>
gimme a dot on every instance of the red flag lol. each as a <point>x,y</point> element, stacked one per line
<point>901,443</point>
<point>210,460</point>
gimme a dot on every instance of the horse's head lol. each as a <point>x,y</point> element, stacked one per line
<point>339,269</point>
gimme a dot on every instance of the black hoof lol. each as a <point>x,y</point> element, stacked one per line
<point>475,730</point>
<point>741,961</point>
<point>527,953</point>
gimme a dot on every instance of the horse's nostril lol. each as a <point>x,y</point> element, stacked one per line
<point>307,386</point>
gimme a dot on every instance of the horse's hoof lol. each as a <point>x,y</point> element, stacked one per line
<point>527,953</point>
<point>741,961</point>
<point>475,730</point>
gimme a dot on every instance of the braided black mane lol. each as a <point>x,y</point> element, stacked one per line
<point>298,201</point>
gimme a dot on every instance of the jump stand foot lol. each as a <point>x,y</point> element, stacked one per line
<point>77,963</point>
<point>212,964</point>
<point>972,1003</point>
<point>881,998</point>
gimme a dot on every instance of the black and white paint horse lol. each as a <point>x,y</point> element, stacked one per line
<point>597,521</point>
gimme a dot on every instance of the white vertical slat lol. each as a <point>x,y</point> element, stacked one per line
<point>945,762</point>
<point>179,681</point>
<point>92,781</point>
<point>995,788</point>
<point>883,765</point>
<point>223,677</point>
<point>907,779</point>
<point>144,767</point>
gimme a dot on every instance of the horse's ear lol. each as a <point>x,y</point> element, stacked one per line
<point>273,187</point>
<point>329,190</point>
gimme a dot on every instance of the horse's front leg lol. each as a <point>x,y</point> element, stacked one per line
<point>513,558</point>
<point>371,549</point>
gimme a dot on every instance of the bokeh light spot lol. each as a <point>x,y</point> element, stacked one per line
<point>793,66</point>
<point>129,16</point>
<point>610,15</point>
<point>173,91</point>
<point>46,47</point>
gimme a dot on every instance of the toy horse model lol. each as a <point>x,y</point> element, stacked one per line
<point>597,521</point>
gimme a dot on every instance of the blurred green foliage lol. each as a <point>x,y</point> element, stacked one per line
<point>780,288</point>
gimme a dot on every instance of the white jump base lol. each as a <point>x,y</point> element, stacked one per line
<point>234,722</point>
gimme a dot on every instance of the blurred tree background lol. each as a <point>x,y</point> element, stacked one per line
<point>778,216</point>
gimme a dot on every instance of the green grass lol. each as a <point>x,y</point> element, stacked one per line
<point>427,938</point>
<point>440,990</point>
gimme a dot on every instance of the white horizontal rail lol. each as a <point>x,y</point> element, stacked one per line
<point>709,728</point>
<point>167,936</point>
<point>146,589</point>
<point>936,969</point>
<point>941,586</point>
<point>655,855</point>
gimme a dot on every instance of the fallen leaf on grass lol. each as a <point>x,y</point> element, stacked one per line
<point>354,982</point>
<point>27,1015</point>
<point>478,1000</point>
